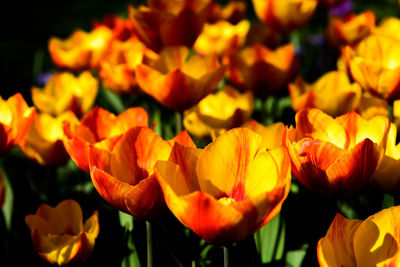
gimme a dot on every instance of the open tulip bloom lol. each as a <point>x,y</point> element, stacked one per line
<point>335,156</point>
<point>228,190</point>
<point>123,176</point>
<point>59,234</point>
<point>372,242</point>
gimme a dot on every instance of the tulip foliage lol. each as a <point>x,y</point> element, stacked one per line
<point>201,133</point>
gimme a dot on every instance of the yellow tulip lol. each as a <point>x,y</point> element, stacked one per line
<point>221,37</point>
<point>223,110</point>
<point>333,93</point>
<point>375,65</point>
<point>59,234</point>
<point>64,91</point>
<point>284,15</point>
<point>82,50</point>
<point>44,142</point>
<point>228,190</point>
<point>373,242</point>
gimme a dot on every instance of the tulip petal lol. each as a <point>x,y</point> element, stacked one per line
<point>226,174</point>
<point>336,248</point>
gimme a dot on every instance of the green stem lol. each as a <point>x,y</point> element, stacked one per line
<point>149,245</point>
<point>178,120</point>
<point>226,257</point>
<point>264,111</point>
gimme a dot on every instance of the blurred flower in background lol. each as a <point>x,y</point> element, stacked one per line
<point>82,50</point>
<point>262,70</point>
<point>178,80</point>
<point>15,120</point>
<point>63,91</point>
<point>285,15</point>
<point>59,234</point>
<point>333,93</point>
<point>226,109</point>
<point>44,142</point>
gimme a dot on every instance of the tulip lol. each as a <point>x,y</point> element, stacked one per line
<point>82,50</point>
<point>389,27</point>
<point>44,142</point>
<point>372,242</point>
<point>387,176</point>
<point>233,12</point>
<point>371,106</point>
<point>218,112</point>
<point>262,70</point>
<point>63,91</point>
<point>332,93</point>
<point>59,234</point>
<point>396,112</point>
<point>117,68</point>
<point>271,135</point>
<point>99,128</point>
<point>15,120</point>
<point>375,65</point>
<point>220,37</point>
<point>177,82</point>
<point>285,15</point>
<point>335,156</point>
<point>121,28</point>
<point>351,29</point>
<point>123,176</point>
<point>228,190</point>
<point>170,23</point>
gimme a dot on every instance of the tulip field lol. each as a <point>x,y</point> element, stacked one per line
<point>200,133</point>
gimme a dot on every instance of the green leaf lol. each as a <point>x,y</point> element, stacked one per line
<point>9,201</point>
<point>270,240</point>
<point>295,258</point>
<point>111,99</point>
<point>125,220</point>
<point>131,260</point>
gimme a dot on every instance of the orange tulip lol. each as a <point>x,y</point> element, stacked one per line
<point>15,120</point>
<point>375,65</point>
<point>228,190</point>
<point>121,28</point>
<point>64,91</point>
<point>44,142</point>
<point>351,29</point>
<point>372,242</point>
<point>332,93</point>
<point>99,128</point>
<point>224,110</point>
<point>336,156</point>
<point>177,82</point>
<point>396,112</point>
<point>59,235</point>
<point>262,70</point>
<point>221,36</point>
<point>284,15</point>
<point>170,23</point>
<point>124,176</point>
<point>387,176</point>
<point>82,50</point>
<point>271,135</point>
<point>117,68</point>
